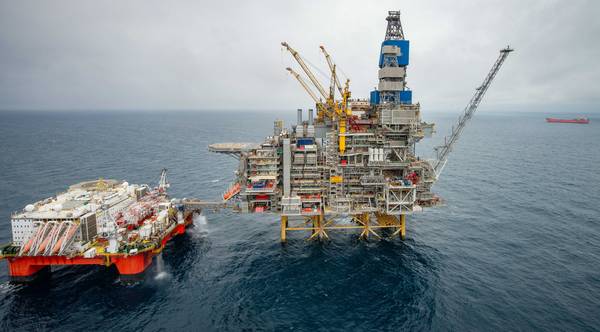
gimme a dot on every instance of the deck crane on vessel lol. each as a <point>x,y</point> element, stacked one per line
<point>163,184</point>
<point>443,151</point>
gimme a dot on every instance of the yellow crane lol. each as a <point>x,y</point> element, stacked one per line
<point>336,111</point>
<point>332,68</point>
<point>343,111</point>
<point>332,85</point>
<point>345,97</point>
<point>310,75</point>
<point>344,92</point>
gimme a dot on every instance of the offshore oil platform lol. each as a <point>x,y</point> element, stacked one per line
<point>353,166</point>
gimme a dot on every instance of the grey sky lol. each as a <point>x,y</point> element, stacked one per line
<point>214,55</point>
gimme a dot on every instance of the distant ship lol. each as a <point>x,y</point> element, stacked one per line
<point>578,120</point>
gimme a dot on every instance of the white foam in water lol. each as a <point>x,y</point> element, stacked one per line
<point>215,180</point>
<point>199,219</point>
<point>160,268</point>
<point>200,224</point>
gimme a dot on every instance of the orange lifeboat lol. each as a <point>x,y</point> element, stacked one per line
<point>47,239</point>
<point>234,190</point>
<point>29,243</point>
<point>68,234</point>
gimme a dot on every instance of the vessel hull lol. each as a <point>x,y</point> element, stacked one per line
<point>28,268</point>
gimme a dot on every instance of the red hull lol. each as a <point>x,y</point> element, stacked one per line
<point>555,120</point>
<point>24,268</point>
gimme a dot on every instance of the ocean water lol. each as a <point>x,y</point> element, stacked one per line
<point>517,247</point>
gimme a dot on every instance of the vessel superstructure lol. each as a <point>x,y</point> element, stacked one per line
<point>353,158</point>
<point>101,222</point>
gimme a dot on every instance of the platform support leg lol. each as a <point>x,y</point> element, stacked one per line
<point>364,218</point>
<point>402,226</point>
<point>320,220</point>
<point>133,266</point>
<point>284,224</point>
<point>318,229</point>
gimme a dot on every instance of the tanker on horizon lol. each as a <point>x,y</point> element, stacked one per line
<point>576,120</point>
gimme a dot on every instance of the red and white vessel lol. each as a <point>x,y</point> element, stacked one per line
<point>102,222</point>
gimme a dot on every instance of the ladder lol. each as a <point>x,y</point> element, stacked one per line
<point>443,151</point>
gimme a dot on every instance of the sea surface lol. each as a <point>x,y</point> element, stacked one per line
<point>517,246</point>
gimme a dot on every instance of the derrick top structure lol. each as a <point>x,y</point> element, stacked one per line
<point>394,27</point>
<point>355,158</point>
<point>393,63</point>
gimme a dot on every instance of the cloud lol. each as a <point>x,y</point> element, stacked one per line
<point>226,55</point>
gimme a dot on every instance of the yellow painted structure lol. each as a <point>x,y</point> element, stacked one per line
<point>319,226</point>
<point>284,221</point>
<point>336,179</point>
<point>342,135</point>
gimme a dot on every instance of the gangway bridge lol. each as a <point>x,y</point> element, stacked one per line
<point>194,204</point>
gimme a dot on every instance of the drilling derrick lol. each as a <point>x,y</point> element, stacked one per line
<point>353,166</point>
<point>393,61</point>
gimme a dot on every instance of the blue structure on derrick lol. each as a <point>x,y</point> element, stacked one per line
<point>393,60</point>
<point>402,58</point>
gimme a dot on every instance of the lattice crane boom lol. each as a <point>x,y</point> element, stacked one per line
<point>331,67</point>
<point>443,151</point>
<point>310,75</point>
<point>307,89</point>
<point>332,84</point>
<point>163,184</point>
<point>304,85</point>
